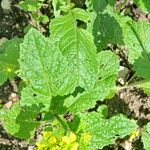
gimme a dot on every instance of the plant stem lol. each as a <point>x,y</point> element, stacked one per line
<point>137,84</point>
<point>64,125</point>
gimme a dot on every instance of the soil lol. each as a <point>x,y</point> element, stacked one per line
<point>131,102</point>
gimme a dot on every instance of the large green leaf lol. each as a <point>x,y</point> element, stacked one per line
<point>19,122</point>
<point>104,86</point>
<point>44,69</point>
<point>143,4</point>
<point>77,46</point>
<point>146,137</point>
<point>105,131</point>
<point>8,59</point>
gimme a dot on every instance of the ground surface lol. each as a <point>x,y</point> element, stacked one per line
<point>131,102</point>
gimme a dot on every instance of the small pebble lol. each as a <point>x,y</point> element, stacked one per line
<point>6,5</point>
<point>13,97</point>
<point>123,73</point>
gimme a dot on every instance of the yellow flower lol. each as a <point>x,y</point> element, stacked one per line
<point>134,134</point>
<point>72,137</point>
<point>39,146</point>
<point>52,140</point>
<point>74,146</point>
<point>47,135</point>
<point>69,139</point>
<point>66,140</point>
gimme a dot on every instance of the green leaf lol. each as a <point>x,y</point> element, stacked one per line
<point>146,137</point>
<point>98,6</point>
<point>136,38</point>
<point>104,87</point>
<point>19,122</point>
<point>80,14</point>
<point>142,66</point>
<point>78,47</point>
<point>102,25</point>
<point>8,59</point>
<point>143,4</point>
<point>30,5</point>
<point>105,131</point>
<point>44,69</point>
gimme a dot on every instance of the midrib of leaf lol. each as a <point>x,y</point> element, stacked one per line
<point>76,35</point>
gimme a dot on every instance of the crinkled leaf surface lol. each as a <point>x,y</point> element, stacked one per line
<point>19,122</point>
<point>105,85</point>
<point>143,4</point>
<point>136,38</point>
<point>45,70</point>
<point>146,137</point>
<point>102,25</point>
<point>106,131</point>
<point>78,47</point>
<point>8,59</point>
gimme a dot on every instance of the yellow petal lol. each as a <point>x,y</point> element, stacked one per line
<point>47,135</point>
<point>73,137</point>
<point>66,140</point>
<point>74,146</point>
<point>39,146</point>
<point>52,140</point>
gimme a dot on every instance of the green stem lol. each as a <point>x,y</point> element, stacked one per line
<point>64,125</point>
<point>136,84</point>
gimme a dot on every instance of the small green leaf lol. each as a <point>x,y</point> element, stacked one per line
<point>30,5</point>
<point>19,122</point>
<point>105,131</point>
<point>8,59</point>
<point>146,137</point>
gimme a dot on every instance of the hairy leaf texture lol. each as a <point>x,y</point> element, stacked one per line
<point>77,46</point>
<point>104,86</point>
<point>45,70</point>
